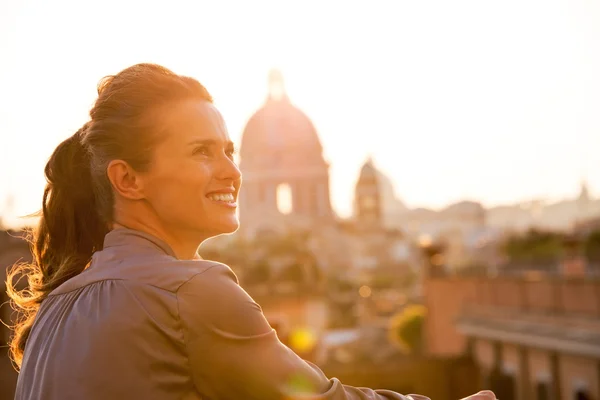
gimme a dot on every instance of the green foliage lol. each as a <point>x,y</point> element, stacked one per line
<point>592,246</point>
<point>406,328</point>
<point>535,245</point>
<point>384,280</point>
<point>261,272</point>
<point>293,243</point>
<point>381,281</point>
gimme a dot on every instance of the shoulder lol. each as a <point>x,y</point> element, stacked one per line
<point>172,275</point>
<point>213,300</point>
<point>159,271</point>
<point>209,277</point>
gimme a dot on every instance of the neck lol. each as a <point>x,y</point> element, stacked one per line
<point>183,249</point>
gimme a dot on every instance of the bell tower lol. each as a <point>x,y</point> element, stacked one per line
<point>367,197</point>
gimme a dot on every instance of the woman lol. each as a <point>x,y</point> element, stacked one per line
<point>120,305</point>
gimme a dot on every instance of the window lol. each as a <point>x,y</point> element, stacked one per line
<point>284,198</point>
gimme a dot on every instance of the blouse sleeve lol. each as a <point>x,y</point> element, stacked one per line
<point>234,353</point>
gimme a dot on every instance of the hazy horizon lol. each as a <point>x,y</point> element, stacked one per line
<point>497,103</point>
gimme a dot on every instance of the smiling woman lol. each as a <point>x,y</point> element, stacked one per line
<point>119,305</point>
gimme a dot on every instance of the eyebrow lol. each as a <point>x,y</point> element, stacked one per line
<point>209,142</point>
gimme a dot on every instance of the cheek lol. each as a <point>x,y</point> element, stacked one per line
<point>179,189</point>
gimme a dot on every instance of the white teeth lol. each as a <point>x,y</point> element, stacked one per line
<point>228,197</point>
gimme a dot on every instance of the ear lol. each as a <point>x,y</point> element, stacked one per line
<point>125,180</point>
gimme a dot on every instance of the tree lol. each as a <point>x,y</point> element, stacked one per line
<point>534,246</point>
<point>406,328</point>
<point>592,246</point>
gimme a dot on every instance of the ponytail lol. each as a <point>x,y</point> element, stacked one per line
<point>69,231</point>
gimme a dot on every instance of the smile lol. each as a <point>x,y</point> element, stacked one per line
<point>224,198</point>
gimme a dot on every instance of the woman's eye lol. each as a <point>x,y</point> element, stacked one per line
<point>204,151</point>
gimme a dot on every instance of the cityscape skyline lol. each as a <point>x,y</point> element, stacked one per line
<point>456,107</point>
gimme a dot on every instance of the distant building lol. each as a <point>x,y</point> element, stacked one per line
<point>534,337</point>
<point>367,198</point>
<point>281,153</point>
<point>374,194</point>
<point>559,216</point>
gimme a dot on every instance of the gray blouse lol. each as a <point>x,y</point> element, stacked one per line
<point>141,324</point>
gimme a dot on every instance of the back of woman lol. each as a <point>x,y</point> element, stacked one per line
<point>113,331</point>
<point>119,304</point>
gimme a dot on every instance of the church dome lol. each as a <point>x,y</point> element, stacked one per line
<point>279,133</point>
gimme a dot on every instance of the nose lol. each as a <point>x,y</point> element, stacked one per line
<point>228,169</point>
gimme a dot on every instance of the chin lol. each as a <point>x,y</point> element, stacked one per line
<point>225,228</point>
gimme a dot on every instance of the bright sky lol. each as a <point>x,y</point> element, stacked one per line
<point>497,101</point>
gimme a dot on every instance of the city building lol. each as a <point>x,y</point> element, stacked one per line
<point>286,178</point>
<point>534,336</point>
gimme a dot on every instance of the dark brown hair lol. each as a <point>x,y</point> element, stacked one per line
<point>77,207</point>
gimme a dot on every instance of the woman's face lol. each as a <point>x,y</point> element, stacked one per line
<point>193,182</point>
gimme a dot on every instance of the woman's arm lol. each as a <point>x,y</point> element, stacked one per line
<point>235,354</point>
